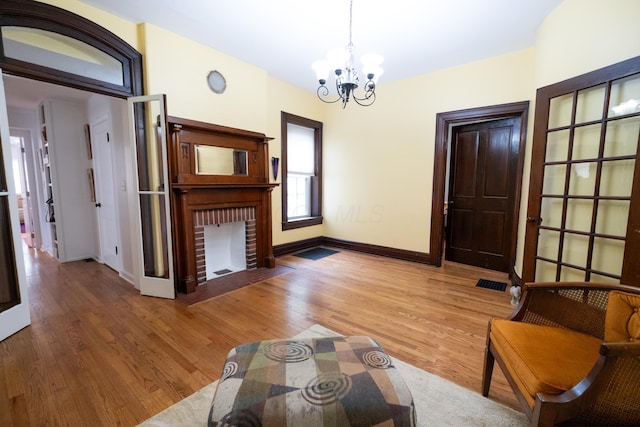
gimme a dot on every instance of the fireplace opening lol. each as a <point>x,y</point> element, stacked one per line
<point>225,249</point>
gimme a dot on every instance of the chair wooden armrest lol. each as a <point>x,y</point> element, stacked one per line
<point>611,384</point>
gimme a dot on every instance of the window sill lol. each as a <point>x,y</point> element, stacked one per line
<point>300,223</point>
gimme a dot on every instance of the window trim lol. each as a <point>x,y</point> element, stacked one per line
<point>316,181</point>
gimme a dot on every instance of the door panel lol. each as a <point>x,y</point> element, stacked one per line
<point>482,192</point>
<point>105,195</point>
<point>584,210</point>
<point>154,248</point>
<point>14,299</point>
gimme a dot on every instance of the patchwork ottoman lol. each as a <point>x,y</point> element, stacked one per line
<point>329,381</point>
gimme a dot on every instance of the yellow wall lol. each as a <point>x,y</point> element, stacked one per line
<point>378,161</point>
<point>126,30</point>
<point>583,35</point>
<point>178,67</point>
<point>284,97</point>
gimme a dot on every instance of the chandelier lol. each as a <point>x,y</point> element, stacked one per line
<point>343,65</point>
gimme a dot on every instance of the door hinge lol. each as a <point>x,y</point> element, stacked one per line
<point>116,250</point>
<point>108,137</point>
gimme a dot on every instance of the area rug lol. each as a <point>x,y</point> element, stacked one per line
<point>316,253</point>
<point>438,402</point>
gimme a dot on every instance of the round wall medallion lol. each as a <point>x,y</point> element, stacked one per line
<point>216,81</point>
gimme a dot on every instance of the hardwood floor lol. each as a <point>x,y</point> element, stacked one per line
<point>98,353</point>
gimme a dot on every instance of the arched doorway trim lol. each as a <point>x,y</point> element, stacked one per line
<point>32,14</point>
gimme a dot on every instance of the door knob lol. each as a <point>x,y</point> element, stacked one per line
<point>534,220</point>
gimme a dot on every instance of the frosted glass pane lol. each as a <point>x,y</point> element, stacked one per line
<point>568,274</point>
<point>154,244</point>
<point>551,211</point>
<point>582,181</point>
<point>590,104</point>
<point>603,279</point>
<point>623,93</point>
<point>545,271</point>
<point>548,244</point>
<point>554,178</point>
<point>575,249</point>
<point>612,217</point>
<point>579,213</point>
<point>60,52</point>
<point>622,137</point>
<point>586,142</point>
<point>608,255</point>
<point>560,111</point>
<point>617,178</point>
<point>300,149</point>
<point>149,143</point>
<point>557,146</point>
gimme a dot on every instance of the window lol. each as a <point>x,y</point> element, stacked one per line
<point>301,172</point>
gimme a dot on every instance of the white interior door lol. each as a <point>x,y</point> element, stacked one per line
<point>14,299</point>
<point>19,137</point>
<point>105,194</point>
<point>153,246</point>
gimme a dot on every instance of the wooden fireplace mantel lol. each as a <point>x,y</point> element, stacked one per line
<point>193,192</point>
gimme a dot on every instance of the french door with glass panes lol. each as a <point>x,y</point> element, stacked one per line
<point>583,219</point>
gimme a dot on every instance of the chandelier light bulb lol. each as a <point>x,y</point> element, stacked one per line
<point>322,69</point>
<point>341,62</point>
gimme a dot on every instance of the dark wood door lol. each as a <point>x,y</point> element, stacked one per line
<point>482,188</point>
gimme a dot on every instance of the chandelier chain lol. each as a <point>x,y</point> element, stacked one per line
<point>350,23</point>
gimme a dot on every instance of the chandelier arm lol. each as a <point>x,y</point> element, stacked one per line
<point>369,98</point>
<point>322,92</point>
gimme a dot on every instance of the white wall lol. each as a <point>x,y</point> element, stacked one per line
<point>74,210</point>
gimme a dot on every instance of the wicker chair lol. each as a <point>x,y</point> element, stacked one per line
<point>571,353</point>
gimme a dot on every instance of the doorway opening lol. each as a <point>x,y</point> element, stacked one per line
<point>104,155</point>
<point>445,124</point>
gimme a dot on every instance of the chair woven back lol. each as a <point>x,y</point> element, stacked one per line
<point>618,401</point>
<point>581,310</point>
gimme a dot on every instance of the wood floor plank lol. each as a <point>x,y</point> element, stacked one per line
<point>98,353</point>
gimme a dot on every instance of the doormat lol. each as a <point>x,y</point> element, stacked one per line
<point>316,253</point>
<point>490,284</point>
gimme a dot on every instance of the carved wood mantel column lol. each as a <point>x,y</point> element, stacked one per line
<point>215,167</point>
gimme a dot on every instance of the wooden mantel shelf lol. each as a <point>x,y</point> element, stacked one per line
<point>193,192</point>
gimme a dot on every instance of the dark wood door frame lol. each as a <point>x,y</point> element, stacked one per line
<point>444,122</point>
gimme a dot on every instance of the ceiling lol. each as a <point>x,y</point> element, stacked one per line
<point>284,37</point>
